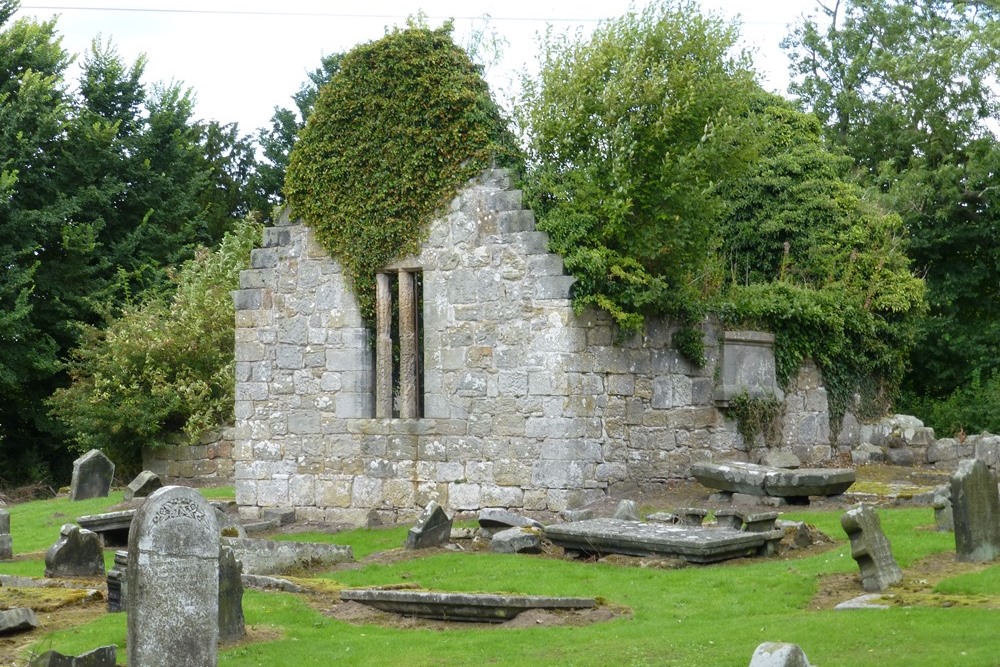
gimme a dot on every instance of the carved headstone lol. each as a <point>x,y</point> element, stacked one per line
<point>144,484</point>
<point>92,475</point>
<point>106,656</point>
<point>173,576</point>
<point>77,553</point>
<point>975,506</point>
<point>232,626</point>
<point>6,542</point>
<point>871,549</point>
<point>432,529</point>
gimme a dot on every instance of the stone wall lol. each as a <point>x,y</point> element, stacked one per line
<point>210,461</point>
<point>526,405</point>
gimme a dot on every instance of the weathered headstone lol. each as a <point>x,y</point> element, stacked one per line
<point>627,510</point>
<point>779,654</point>
<point>6,541</point>
<point>944,519</point>
<point>92,475</point>
<point>871,549</point>
<point>20,619</point>
<point>432,529</point>
<point>77,553</point>
<point>106,656</point>
<point>232,626</point>
<point>975,506</point>
<point>144,484</point>
<point>173,575</point>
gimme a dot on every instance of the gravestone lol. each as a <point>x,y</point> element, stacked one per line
<point>118,583</point>
<point>975,506</point>
<point>627,510</point>
<point>144,484</point>
<point>6,541</point>
<point>232,626</point>
<point>77,553</point>
<point>173,581</point>
<point>871,549</point>
<point>943,517</point>
<point>92,475</point>
<point>432,529</point>
<point>779,654</point>
<point>106,656</point>
<point>19,619</point>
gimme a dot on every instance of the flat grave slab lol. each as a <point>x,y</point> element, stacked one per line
<point>468,607</point>
<point>634,538</point>
<point>111,527</point>
<point>759,480</point>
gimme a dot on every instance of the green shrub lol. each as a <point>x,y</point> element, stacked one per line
<point>162,367</point>
<point>972,408</point>
<point>399,128</point>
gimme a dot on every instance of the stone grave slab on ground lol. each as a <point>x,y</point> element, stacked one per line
<point>105,656</point>
<point>272,557</point>
<point>693,544</point>
<point>871,549</point>
<point>432,528</point>
<point>975,506</point>
<point>92,476</point>
<point>478,608</point>
<point>173,575</point>
<point>759,480</point>
<point>77,553</point>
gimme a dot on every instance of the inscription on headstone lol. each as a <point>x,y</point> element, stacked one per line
<point>975,507</point>
<point>871,549</point>
<point>173,581</point>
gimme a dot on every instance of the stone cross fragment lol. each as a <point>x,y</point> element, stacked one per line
<point>173,581</point>
<point>871,549</point>
<point>92,476</point>
<point>975,506</point>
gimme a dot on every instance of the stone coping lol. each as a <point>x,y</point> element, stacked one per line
<point>634,538</point>
<point>467,607</point>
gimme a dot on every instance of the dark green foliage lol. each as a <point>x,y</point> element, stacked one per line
<point>161,367</point>
<point>629,131</point>
<point>398,129</point>
<point>813,259</point>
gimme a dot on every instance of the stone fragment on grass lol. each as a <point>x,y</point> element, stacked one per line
<point>871,549</point>
<point>779,654</point>
<point>77,553</point>
<point>432,529</point>
<point>20,619</point>
<point>106,656</point>
<point>516,541</point>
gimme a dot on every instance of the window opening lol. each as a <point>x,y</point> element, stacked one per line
<point>399,367</point>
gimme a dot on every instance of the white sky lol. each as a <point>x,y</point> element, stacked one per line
<point>244,57</point>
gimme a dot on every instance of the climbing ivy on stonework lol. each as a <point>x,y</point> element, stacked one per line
<point>396,132</point>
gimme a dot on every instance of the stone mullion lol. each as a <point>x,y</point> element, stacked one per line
<point>407,347</point>
<point>383,347</point>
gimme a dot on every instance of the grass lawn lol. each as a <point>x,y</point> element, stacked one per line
<point>699,615</point>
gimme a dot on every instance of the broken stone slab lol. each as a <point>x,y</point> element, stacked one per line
<point>759,522</point>
<point>283,516</point>
<point>501,518</point>
<point>260,527</point>
<point>627,510</point>
<point>871,549</point>
<point>779,654</point>
<point>111,527</point>
<point>759,480</point>
<point>77,553</point>
<point>432,529</point>
<point>797,533</point>
<point>975,506</point>
<point>265,583</point>
<point>576,515</point>
<point>866,601</point>
<point>516,541</point>
<point>20,619</point>
<point>778,459</point>
<point>105,656</point>
<point>92,476</point>
<point>663,517</point>
<point>144,484</point>
<point>696,545</point>
<point>275,557</point>
<point>475,608</point>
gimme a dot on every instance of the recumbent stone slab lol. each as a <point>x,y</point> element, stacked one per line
<point>482,608</point>
<point>871,549</point>
<point>173,577</point>
<point>92,476</point>
<point>759,480</point>
<point>77,553</point>
<point>975,506</point>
